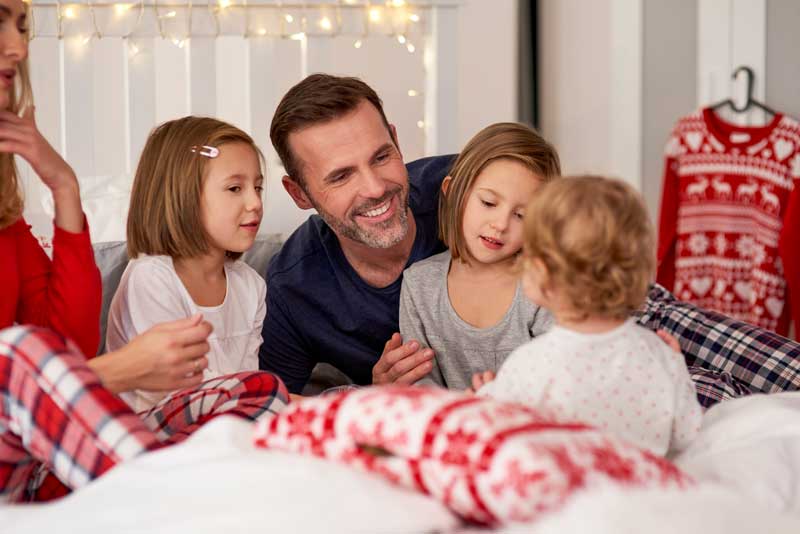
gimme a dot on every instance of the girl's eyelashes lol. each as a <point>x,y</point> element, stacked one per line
<point>487,203</point>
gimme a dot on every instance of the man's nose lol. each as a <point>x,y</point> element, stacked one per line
<point>372,185</point>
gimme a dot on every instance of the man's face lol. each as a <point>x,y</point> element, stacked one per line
<point>355,177</point>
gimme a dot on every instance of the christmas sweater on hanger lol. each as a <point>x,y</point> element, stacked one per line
<point>729,235</point>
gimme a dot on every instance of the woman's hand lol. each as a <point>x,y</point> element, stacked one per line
<point>167,357</point>
<point>19,135</point>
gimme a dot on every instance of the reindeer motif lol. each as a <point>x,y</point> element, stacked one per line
<point>747,191</point>
<point>770,200</point>
<point>721,188</point>
<point>697,188</point>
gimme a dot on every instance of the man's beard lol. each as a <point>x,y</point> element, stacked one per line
<point>384,235</point>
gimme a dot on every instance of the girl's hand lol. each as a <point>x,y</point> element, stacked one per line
<point>167,357</point>
<point>481,379</point>
<point>670,340</point>
<point>19,135</point>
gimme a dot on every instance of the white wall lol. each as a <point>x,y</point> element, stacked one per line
<point>575,82</point>
<point>487,65</point>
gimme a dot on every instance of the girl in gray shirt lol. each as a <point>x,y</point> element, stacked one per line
<point>467,304</point>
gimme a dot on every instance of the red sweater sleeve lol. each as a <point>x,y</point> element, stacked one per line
<point>789,250</point>
<point>668,225</point>
<point>63,294</point>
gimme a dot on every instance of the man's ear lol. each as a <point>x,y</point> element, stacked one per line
<point>446,184</point>
<point>297,193</point>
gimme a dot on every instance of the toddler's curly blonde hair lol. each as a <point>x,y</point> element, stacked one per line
<point>595,238</point>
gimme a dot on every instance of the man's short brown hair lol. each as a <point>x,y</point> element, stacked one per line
<point>164,216</point>
<point>503,140</point>
<point>595,238</point>
<point>317,99</point>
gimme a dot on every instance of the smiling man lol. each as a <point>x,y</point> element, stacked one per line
<point>334,288</point>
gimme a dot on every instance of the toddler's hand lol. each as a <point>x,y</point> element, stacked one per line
<point>481,379</point>
<point>670,340</point>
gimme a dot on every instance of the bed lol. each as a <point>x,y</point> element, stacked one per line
<point>746,460</point>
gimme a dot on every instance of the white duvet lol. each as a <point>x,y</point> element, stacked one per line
<point>747,459</point>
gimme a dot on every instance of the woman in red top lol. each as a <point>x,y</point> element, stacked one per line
<point>56,407</point>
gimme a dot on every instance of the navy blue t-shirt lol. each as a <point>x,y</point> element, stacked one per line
<point>318,307</point>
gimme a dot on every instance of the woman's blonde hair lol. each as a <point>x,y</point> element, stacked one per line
<point>503,140</point>
<point>595,238</point>
<point>21,98</point>
<point>164,216</point>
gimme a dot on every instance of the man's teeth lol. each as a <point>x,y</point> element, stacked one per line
<point>377,211</point>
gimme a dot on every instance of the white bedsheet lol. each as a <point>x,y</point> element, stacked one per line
<point>747,459</point>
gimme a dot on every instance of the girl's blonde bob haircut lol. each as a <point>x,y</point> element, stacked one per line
<point>164,216</point>
<point>20,98</point>
<point>596,241</point>
<point>503,140</point>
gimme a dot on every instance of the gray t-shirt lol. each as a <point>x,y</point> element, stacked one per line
<point>427,315</point>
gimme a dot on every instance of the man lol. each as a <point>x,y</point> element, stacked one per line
<point>333,289</point>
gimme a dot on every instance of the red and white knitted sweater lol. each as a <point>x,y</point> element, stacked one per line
<point>729,235</point>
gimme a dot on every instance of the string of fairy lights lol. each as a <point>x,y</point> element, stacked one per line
<point>178,21</point>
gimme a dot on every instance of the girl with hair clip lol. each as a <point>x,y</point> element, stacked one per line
<point>59,412</point>
<point>195,208</point>
<point>589,258</point>
<point>467,304</point>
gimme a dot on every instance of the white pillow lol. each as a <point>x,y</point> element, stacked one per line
<point>217,482</point>
<point>751,444</point>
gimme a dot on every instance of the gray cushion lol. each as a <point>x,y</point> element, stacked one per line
<point>112,258</point>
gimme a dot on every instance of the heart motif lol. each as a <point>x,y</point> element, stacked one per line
<point>774,306</point>
<point>744,290</point>
<point>694,140</point>
<point>700,286</point>
<point>782,149</point>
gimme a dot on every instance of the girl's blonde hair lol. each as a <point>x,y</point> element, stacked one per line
<point>503,140</point>
<point>164,216</point>
<point>21,98</point>
<point>595,238</point>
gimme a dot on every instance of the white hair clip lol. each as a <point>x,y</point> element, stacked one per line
<point>207,151</point>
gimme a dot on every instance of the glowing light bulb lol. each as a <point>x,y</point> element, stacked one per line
<point>411,48</point>
<point>178,42</point>
<point>358,43</point>
<point>262,31</point>
<point>401,39</point>
<point>325,23</point>
<point>85,39</point>
<point>398,3</point>
<point>413,17</point>
<point>169,15</point>
<point>375,14</point>
<point>288,18</point>
<point>420,124</point>
<point>297,36</point>
<point>412,92</point>
<point>132,50</point>
<point>121,9</point>
<point>70,12</point>
<point>223,4</point>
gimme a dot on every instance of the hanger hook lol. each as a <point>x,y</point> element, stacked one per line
<point>750,75</point>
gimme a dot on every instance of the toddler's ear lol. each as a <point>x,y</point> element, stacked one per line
<point>446,184</point>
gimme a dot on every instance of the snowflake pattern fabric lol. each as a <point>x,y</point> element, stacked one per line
<point>490,462</point>
<point>730,218</point>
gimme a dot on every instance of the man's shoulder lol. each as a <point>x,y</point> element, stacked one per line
<point>302,252</point>
<point>425,177</point>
